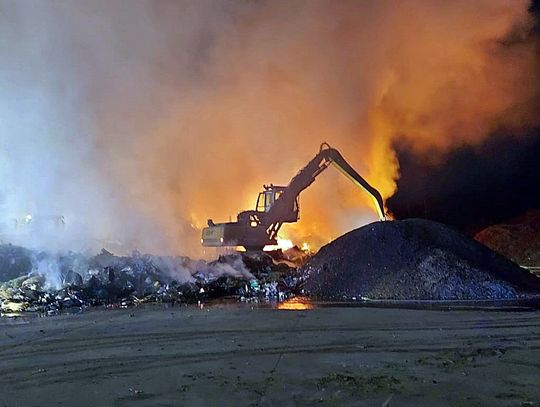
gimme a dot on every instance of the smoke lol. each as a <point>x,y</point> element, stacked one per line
<point>53,271</point>
<point>474,185</point>
<point>236,268</point>
<point>471,187</point>
<point>127,125</point>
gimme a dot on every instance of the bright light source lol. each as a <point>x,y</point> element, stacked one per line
<point>296,304</point>
<point>283,244</point>
<point>28,218</point>
<point>305,247</point>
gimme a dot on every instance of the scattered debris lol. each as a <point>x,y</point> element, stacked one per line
<point>50,284</point>
<point>401,260</point>
<point>360,384</point>
<point>136,392</point>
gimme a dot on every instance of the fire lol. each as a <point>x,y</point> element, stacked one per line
<point>296,304</point>
<point>282,244</point>
<point>305,247</point>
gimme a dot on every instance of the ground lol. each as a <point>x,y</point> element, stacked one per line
<point>250,355</point>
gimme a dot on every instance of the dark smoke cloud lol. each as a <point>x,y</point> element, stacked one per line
<point>473,186</point>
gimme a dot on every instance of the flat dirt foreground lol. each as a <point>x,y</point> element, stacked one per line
<point>242,355</point>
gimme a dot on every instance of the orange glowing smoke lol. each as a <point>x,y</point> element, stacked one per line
<point>360,77</point>
<point>193,106</point>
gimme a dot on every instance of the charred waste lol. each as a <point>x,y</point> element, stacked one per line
<point>40,282</point>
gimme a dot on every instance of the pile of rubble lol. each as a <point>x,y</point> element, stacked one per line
<point>47,284</point>
<point>519,239</point>
<point>413,259</point>
<point>15,261</point>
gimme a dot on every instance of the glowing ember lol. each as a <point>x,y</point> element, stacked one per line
<point>296,304</point>
<point>282,244</point>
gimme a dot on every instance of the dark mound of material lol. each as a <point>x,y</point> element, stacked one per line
<point>15,261</point>
<point>413,259</point>
<point>518,240</point>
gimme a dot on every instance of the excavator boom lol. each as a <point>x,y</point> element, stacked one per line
<point>343,166</point>
<point>257,228</point>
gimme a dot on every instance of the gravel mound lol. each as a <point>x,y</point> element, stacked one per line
<point>15,261</point>
<point>519,240</point>
<point>413,259</point>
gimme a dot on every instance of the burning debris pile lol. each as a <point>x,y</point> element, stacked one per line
<point>43,283</point>
<point>413,259</point>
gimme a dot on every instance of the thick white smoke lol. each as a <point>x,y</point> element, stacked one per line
<point>81,84</point>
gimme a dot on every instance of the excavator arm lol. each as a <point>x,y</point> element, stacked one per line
<point>343,166</point>
<point>256,228</point>
<point>306,176</point>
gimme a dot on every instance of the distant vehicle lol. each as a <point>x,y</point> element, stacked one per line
<point>30,220</point>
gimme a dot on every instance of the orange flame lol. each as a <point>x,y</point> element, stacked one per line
<point>296,304</point>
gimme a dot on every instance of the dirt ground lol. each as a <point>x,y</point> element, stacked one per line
<point>248,355</point>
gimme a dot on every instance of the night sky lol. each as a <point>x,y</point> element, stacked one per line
<point>471,187</point>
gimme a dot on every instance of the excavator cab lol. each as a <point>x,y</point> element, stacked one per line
<point>267,198</point>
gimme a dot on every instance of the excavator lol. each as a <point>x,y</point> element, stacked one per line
<point>277,205</point>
